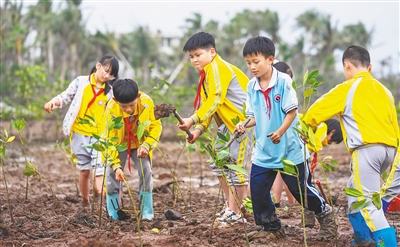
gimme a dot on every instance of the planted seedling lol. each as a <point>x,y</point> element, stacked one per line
<point>4,139</point>
<point>32,171</point>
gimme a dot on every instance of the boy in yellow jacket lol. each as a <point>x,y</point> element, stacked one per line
<point>221,95</point>
<point>370,129</point>
<point>136,108</point>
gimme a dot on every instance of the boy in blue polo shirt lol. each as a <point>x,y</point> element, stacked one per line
<point>272,107</point>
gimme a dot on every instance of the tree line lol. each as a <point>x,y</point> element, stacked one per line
<point>46,45</point>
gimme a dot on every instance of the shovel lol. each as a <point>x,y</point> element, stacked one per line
<point>236,134</point>
<point>164,110</point>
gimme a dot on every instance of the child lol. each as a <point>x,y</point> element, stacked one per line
<point>136,108</point>
<point>369,122</point>
<point>326,133</point>
<point>272,107</point>
<point>89,96</point>
<point>221,95</point>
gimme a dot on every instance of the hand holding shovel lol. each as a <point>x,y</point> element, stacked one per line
<point>164,110</point>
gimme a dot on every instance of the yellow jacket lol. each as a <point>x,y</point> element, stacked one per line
<point>145,112</point>
<point>225,94</point>
<point>366,110</point>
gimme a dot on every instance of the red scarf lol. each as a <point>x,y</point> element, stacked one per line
<point>196,104</point>
<point>267,101</point>
<point>94,96</point>
<point>131,136</point>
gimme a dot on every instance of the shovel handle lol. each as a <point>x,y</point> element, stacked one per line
<point>322,190</point>
<point>176,114</point>
<point>236,134</point>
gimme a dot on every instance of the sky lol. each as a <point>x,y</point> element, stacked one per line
<point>381,17</point>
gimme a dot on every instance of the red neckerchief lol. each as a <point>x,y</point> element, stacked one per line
<point>267,101</point>
<point>94,96</point>
<point>196,104</point>
<point>128,125</point>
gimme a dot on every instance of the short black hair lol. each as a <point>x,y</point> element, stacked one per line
<point>201,40</point>
<point>334,124</point>
<point>357,55</point>
<point>259,45</point>
<point>283,67</point>
<point>125,90</point>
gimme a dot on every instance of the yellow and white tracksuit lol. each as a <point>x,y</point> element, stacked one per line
<point>369,124</point>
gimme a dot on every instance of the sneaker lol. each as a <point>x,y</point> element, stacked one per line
<point>266,235</point>
<point>327,224</point>
<point>230,218</point>
<point>222,212</point>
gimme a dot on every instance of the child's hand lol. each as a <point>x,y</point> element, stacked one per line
<point>119,174</point>
<point>195,134</point>
<point>275,137</point>
<point>240,129</point>
<point>49,106</point>
<point>305,140</point>
<point>142,152</point>
<point>187,123</point>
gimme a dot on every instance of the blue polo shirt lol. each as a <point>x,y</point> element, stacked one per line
<point>283,99</point>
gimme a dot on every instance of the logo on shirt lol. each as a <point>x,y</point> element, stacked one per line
<point>277,98</point>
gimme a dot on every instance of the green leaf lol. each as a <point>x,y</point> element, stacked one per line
<point>353,192</point>
<point>237,168</point>
<point>18,124</point>
<point>96,137</point>
<point>360,204</point>
<point>191,148</point>
<point>28,171</point>
<point>235,120</point>
<point>294,85</point>
<point>114,139</point>
<point>222,137</point>
<point>384,175</point>
<point>313,75</point>
<point>328,166</point>
<point>311,81</point>
<point>376,200</point>
<point>289,167</point>
<point>317,84</point>
<point>308,93</point>
<point>121,147</point>
<point>141,128</point>
<point>305,77</point>
<point>98,147</point>
<point>111,126</point>
<point>311,138</point>
<point>300,131</point>
<point>223,154</point>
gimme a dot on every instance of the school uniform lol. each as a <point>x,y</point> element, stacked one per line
<point>269,108</point>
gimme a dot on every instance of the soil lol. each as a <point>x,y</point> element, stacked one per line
<point>42,220</point>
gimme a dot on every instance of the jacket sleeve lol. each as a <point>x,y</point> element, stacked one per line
<point>327,106</point>
<point>68,95</point>
<point>155,127</point>
<point>218,79</point>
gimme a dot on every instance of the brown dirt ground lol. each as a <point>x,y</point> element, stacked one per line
<point>42,220</point>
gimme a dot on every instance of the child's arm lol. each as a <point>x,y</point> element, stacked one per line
<point>63,98</point>
<point>154,130</point>
<point>287,121</point>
